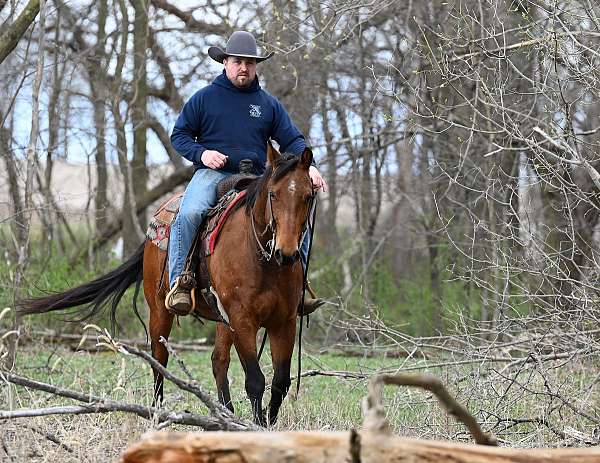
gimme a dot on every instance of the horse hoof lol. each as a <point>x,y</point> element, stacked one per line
<point>261,418</point>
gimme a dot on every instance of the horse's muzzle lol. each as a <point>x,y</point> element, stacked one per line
<point>283,259</point>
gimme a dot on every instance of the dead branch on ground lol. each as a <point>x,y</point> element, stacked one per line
<point>96,404</point>
<point>77,341</point>
<point>220,418</point>
<point>375,416</point>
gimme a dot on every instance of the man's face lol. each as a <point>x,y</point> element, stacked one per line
<point>240,71</point>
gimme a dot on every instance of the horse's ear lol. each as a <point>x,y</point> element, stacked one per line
<point>273,155</point>
<point>306,158</point>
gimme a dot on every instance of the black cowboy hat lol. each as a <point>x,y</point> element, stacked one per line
<point>241,43</point>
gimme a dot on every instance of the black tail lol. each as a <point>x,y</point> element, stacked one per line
<point>95,295</point>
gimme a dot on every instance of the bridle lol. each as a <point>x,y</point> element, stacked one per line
<point>271,226</point>
<point>307,227</point>
<point>266,252</point>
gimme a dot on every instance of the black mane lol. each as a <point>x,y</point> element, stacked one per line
<point>286,163</point>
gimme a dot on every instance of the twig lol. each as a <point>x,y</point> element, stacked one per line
<point>173,353</point>
<point>428,366</point>
<point>63,410</point>
<point>518,45</point>
<point>50,437</point>
<point>195,346</point>
<point>375,416</point>
<point>221,417</point>
<point>336,374</point>
<point>96,404</point>
<point>577,158</point>
<point>215,407</point>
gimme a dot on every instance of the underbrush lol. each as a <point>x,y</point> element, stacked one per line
<point>406,300</point>
<point>53,271</point>
<point>328,400</point>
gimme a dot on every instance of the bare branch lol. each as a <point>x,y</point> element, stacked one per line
<point>374,416</point>
<point>10,39</point>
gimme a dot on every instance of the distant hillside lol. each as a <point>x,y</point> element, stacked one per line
<point>73,187</point>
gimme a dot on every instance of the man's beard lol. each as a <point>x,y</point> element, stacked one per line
<point>246,83</point>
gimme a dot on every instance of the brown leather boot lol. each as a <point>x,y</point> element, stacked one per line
<point>179,300</point>
<point>311,304</point>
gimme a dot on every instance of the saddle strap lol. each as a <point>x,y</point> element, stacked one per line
<point>194,261</point>
<point>207,292</point>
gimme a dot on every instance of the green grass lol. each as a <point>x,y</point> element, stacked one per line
<point>324,402</point>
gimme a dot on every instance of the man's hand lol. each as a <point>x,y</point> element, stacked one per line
<point>213,159</point>
<point>317,179</point>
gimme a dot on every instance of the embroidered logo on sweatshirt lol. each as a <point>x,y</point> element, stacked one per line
<point>255,110</point>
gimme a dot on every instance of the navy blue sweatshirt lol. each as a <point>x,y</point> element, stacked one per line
<point>236,122</point>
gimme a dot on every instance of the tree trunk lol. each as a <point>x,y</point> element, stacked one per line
<point>329,224</point>
<point>10,39</point>
<point>25,214</point>
<point>139,169</point>
<point>433,242</point>
<point>52,233</point>
<point>132,233</point>
<point>98,89</point>
<point>16,203</point>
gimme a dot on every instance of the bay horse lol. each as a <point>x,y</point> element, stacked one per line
<point>254,292</point>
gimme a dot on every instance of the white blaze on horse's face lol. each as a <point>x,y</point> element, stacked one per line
<point>292,187</point>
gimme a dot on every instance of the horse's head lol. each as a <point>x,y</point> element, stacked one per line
<point>288,199</point>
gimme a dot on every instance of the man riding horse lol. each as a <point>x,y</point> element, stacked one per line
<point>226,122</point>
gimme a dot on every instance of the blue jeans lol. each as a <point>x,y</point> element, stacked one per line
<point>304,248</point>
<point>200,195</point>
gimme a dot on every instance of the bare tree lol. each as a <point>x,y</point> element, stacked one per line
<point>10,37</point>
<point>27,211</point>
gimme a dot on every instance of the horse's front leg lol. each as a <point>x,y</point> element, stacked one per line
<point>220,363</point>
<point>244,339</point>
<point>281,340</point>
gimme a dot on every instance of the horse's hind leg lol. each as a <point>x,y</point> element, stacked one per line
<point>220,363</point>
<point>161,322</point>
<point>281,340</point>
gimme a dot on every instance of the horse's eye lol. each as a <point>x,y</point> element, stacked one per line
<point>272,195</point>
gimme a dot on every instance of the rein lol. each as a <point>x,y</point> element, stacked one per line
<point>272,226</point>
<point>311,228</point>
<point>307,226</point>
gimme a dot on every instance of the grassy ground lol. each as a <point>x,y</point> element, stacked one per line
<point>324,403</point>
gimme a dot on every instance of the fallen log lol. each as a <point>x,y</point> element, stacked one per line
<point>374,444</point>
<point>331,447</point>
